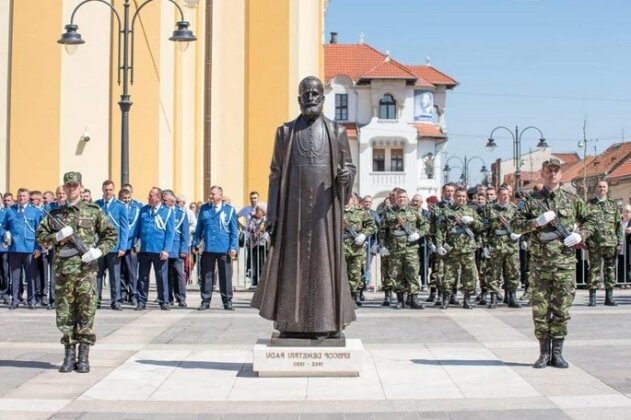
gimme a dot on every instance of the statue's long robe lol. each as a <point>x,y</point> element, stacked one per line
<point>304,287</point>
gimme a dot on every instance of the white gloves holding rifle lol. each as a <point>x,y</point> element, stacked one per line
<point>545,218</point>
<point>442,251</point>
<point>360,239</point>
<point>514,236</point>
<point>467,219</point>
<point>63,233</point>
<point>92,254</point>
<point>414,236</point>
<point>573,239</point>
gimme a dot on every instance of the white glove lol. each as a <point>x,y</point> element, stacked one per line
<point>383,251</point>
<point>374,250</point>
<point>545,218</point>
<point>524,246</point>
<point>359,240</point>
<point>7,238</point>
<point>64,233</point>
<point>514,236</point>
<point>467,219</point>
<point>414,237</point>
<point>92,254</point>
<point>442,251</point>
<point>573,239</point>
<point>432,248</point>
<point>487,252</point>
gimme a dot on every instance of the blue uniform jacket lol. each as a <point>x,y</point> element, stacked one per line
<point>22,228</point>
<point>218,229</point>
<point>155,231</point>
<point>117,213</point>
<point>182,235</point>
<point>3,213</point>
<point>133,214</point>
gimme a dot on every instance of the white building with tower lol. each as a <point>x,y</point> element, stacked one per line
<point>394,115</point>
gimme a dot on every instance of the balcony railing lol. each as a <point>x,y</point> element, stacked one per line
<point>387,179</point>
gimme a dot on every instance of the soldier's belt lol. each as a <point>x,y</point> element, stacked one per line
<point>545,237</point>
<point>67,252</point>
<point>458,230</point>
<point>399,233</point>
<point>501,232</point>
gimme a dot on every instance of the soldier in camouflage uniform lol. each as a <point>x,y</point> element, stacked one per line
<point>402,228</point>
<point>80,233</point>
<point>553,261</point>
<point>604,244</point>
<point>479,205</point>
<point>501,248</point>
<point>387,284</point>
<point>438,262</point>
<point>358,226</point>
<point>456,242</point>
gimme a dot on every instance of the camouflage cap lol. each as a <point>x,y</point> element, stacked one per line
<point>551,162</point>
<point>72,178</point>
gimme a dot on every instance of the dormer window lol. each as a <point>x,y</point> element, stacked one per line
<point>387,107</point>
<point>341,107</point>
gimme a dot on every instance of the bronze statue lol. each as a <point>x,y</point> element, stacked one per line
<point>304,287</point>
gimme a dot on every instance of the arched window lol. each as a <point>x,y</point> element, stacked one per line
<point>387,107</point>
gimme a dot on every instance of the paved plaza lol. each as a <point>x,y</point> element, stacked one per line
<point>453,364</point>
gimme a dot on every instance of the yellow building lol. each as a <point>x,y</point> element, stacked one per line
<point>199,117</point>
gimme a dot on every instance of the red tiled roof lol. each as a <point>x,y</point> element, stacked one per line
<point>621,171</point>
<point>567,157</point>
<point>361,61</point>
<point>351,129</point>
<point>609,160</point>
<point>429,130</point>
<point>432,75</point>
<point>572,170</point>
<point>388,69</point>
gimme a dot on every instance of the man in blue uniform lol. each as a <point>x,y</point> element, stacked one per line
<point>21,222</point>
<point>155,229</point>
<point>178,251</point>
<point>117,214</point>
<point>129,268</point>
<point>4,262</point>
<point>217,227</point>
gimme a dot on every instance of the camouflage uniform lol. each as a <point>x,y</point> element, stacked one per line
<point>75,283</point>
<point>460,248</point>
<point>504,260</point>
<point>356,221</point>
<point>387,282</point>
<point>438,262</point>
<point>552,265</point>
<point>602,244</point>
<point>403,260</point>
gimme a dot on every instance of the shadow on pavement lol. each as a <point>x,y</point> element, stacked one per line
<point>453,362</point>
<point>27,364</point>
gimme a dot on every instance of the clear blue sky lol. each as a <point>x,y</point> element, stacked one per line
<point>548,63</point>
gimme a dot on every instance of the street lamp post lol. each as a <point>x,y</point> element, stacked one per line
<point>465,167</point>
<point>516,147</point>
<point>71,39</point>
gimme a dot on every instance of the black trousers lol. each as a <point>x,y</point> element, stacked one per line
<point>177,280</point>
<point>129,274</point>
<point>210,260</point>
<point>112,263</point>
<point>19,261</point>
<point>145,261</point>
<point>5,276</point>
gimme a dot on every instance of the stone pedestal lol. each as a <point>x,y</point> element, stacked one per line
<point>308,361</point>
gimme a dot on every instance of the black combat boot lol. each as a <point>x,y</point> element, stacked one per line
<point>408,299</point>
<point>358,300</point>
<point>482,300</point>
<point>415,303</point>
<point>400,300</point>
<point>557,359</point>
<point>354,299</point>
<point>609,297</point>
<point>432,295</point>
<point>512,299</point>
<point>83,361</point>
<point>505,300</point>
<point>446,299</point>
<point>452,298</point>
<point>387,298</point>
<point>493,301</point>
<point>592,297</point>
<point>69,358</point>
<point>466,304</point>
<point>544,354</point>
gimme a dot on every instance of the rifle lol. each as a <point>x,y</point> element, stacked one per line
<point>349,229</point>
<point>73,239</point>
<point>556,222</point>
<point>454,216</point>
<point>402,223</point>
<point>502,219</point>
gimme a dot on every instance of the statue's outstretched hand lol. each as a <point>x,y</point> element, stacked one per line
<point>344,176</point>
